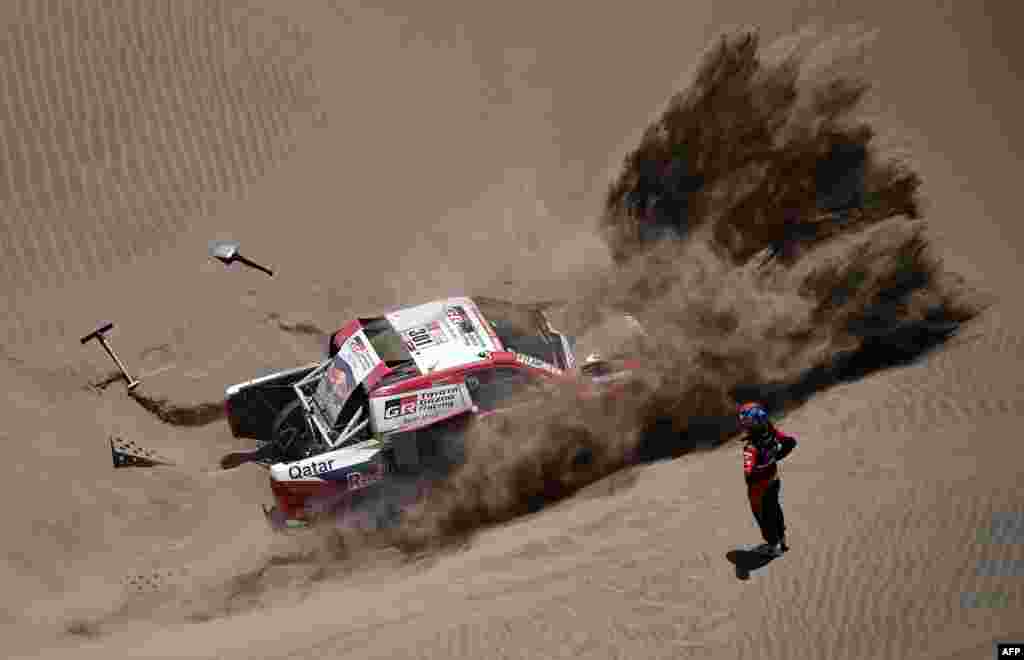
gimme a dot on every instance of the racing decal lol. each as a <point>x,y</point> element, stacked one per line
<point>418,407</point>
<point>360,354</point>
<point>310,469</point>
<point>429,403</point>
<point>536,363</point>
<point>330,466</point>
<point>471,326</point>
<point>341,378</point>
<point>360,480</point>
<point>424,336</point>
<point>355,362</point>
<point>400,406</point>
<point>459,317</point>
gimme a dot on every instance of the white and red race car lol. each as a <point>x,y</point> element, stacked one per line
<point>395,396</point>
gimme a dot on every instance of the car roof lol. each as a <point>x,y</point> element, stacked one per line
<point>445,334</point>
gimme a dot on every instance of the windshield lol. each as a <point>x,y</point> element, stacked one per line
<point>388,343</point>
<point>520,328</point>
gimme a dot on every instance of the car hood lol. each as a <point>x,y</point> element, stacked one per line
<point>444,333</point>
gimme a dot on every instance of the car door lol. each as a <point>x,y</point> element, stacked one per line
<point>497,388</point>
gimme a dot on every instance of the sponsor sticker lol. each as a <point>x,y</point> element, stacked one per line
<point>353,363</point>
<point>429,402</point>
<point>310,469</point>
<point>341,378</point>
<point>459,317</point>
<point>408,409</point>
<point>400,406</point>
<point>356,350</point>
<point>434,402</point>
<point>358,480</point>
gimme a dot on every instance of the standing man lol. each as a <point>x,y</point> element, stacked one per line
<point>765,446</point>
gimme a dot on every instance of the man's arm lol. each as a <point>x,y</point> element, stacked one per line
<point>787,445</point>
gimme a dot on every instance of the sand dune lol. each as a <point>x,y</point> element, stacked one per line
<point>122,125</point>
<point>374,156</point>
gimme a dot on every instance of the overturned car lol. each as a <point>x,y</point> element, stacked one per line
<point>393,400</point>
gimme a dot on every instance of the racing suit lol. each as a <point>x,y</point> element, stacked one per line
<point>761,453</point>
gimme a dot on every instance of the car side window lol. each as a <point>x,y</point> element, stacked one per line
<point>493,389</point>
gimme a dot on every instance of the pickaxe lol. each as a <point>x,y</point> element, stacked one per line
<point>99,336</point>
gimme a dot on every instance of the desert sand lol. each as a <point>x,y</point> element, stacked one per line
<point>379,155</point>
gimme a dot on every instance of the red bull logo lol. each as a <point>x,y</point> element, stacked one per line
<point>360,480</point>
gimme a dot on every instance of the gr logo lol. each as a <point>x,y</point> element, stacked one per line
<point>1009,650</point>
<point>400,406</point>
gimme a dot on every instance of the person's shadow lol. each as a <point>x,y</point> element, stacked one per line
<point>747,561</point>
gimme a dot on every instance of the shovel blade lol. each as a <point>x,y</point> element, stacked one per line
<point>224,250</point>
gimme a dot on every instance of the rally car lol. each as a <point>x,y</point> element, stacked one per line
<point>395,395</point>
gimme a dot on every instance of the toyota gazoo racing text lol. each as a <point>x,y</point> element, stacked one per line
<point>393,399</point>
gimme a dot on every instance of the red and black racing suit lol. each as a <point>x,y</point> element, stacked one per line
<point>761,453</point>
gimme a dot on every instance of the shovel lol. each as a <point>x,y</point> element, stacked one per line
<point>227,253</point>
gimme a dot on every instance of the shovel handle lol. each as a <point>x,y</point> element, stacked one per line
<point>255,265</point>
<point>97,333</point>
